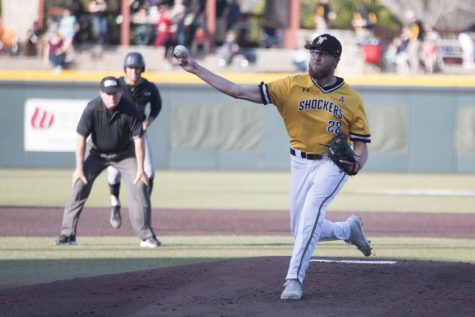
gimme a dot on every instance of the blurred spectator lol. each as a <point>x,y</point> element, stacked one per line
<point>414,47</point>
<point>164,26</point>
<point>178,15</point>
<point>98,11</point>
<point>401,60</point>
<point>135,6</point>
<point>396,57</point>
<point>191,23</point>
<point>153,11</point>
<point>363,21</point>
<point>235,46</point>
<point>466,41</point>
<point>144,20</point>
<point>233,14</point>
<point>321,16</point>
<point>430,51</point>
<point>78,9</point>
<point>201,40</point>
<point>389,56</point>
<point>166,32</point>
<point>33,45</point>
<point>300,59</point>
<point>221,15</point>
<point>56,52</point>
<point>229,49</point>
<point>68,27</point>
<point>8,41</point>
<point>272,33</point>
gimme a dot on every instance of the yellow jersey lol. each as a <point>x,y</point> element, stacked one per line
<point>313,114</point>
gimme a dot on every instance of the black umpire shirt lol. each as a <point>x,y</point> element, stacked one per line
<point>141,95</point>
<point>111,132</point>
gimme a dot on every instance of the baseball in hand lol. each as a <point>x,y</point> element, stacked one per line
<point>180,51</point>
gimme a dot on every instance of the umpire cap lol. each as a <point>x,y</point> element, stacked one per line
<point>110,85</point>
<point>134,60</point>
<point>326,42</point>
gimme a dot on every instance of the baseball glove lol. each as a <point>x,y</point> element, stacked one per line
<point>338,149</point>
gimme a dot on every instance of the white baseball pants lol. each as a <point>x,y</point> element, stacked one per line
<point>314,184</point>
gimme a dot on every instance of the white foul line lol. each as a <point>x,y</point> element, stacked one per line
<point>355,261</point>
<point>415,192</point>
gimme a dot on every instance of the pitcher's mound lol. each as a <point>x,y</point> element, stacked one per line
<point>252,287</point>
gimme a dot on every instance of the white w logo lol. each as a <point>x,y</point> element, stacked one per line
<point>321,40</point>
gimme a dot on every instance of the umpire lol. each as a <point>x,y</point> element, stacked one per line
<point>115,127</point>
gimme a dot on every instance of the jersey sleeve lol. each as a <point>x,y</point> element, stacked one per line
<point>136,130</point>
<point>85,123</point>
<point>275,91</point>
<point>155,101</point>
<point>359,129</point>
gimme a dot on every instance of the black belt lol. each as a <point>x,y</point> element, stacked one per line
<point>112,156</point>
<point>304,155</point>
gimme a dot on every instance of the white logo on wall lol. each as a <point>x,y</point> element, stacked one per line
<point>50,124</point>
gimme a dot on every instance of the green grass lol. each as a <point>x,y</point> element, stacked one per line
<point>249,190</point>
<point>27,261</point>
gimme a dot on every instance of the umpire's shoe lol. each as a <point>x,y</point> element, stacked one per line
<point>292,290</point>
<point>66,240</point>
<point>116,218</point>
<point>357,236</point>
<point>152,242</point>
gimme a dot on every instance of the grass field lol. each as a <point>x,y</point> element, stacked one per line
<point>30,260</point>
<point>37,260</point>
<point>253,190</point>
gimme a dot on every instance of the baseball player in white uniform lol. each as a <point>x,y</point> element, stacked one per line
<point>315,107</point>
<point>143,94</point>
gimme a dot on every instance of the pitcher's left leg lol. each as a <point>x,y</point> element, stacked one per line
<point>327,182</point>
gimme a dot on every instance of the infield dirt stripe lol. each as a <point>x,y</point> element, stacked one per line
<point>36,221</point>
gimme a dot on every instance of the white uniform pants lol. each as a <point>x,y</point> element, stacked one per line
<point>113,175</point>
<point>314,184</point>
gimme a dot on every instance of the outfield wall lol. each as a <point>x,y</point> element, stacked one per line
<point>424,124</point>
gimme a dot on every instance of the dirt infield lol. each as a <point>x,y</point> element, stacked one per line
<point>95,222</point>
<point>250,287</point>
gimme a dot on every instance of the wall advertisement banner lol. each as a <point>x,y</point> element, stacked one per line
<point>50,124</point>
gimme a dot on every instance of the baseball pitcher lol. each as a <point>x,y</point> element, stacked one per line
<point>316,108</point>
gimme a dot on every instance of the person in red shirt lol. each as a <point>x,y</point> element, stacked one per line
<point>166,32</point>
<point>56,51</point>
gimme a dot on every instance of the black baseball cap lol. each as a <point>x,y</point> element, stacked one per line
<point>325,42</point>
<point>110,85</point>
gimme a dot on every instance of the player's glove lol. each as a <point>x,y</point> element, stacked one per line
<point>338,150</point>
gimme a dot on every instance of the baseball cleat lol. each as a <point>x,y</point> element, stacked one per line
<point>292,290</point>
<point>66,240</point>
<point>116,218</point>
<point>357,236</point>
<point>150,243</point>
